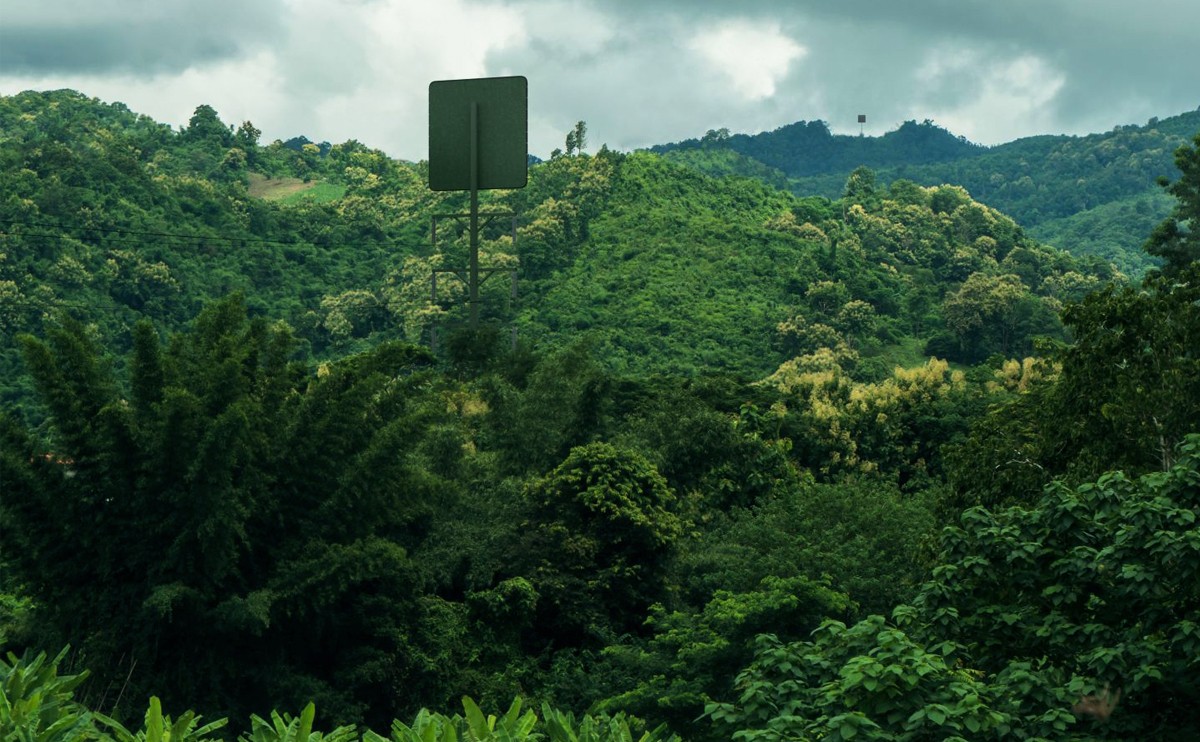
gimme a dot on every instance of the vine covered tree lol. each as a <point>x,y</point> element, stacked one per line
<point>601,526</point>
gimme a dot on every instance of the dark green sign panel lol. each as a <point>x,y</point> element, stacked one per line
<point>482,122</point>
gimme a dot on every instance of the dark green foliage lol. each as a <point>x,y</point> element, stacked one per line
<point>864,538</point>
<point>1130,386</point>
<point>599,530</point>
<point>1129,389</point>
<point>1177,239</point>
<point>564,401</point>
<point>869,681</point>
<point>685,664</point>
<point>809,148</point>
<point>178,503</point>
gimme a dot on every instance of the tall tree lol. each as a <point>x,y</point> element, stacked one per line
<point>1177,239</point>
<point>580,136</point>
<point>232,516</point>
<point>600,528</point>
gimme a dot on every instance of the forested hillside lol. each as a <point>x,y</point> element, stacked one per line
<point>116,217</point>
<point>1089,195</point>
<point>872,464</point>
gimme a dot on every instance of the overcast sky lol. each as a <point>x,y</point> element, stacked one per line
<point>640,72</point>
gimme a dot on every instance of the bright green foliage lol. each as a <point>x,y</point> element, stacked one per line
<point>1091,195</point>
<point>562,726</point>
<point>37,704</point>
<point>426,727</point>
<point>118,218</point>
<point>672,276</point>
<point>160,728</point>
<point>869,681</point>
<point>514,726</point>
<point>894,426</point>
<point>668,270</point>
<point>685,664</point>
<point>286,728</point>
<point>1033,612</point>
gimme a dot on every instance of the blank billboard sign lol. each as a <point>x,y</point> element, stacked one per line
<point>485,120</point>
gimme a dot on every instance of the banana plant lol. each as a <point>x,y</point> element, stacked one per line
<point>160,728</point>
<point>37,704</point>
<point>562,727</point>
<point>426,727</point>
<point>285,728</point>
<point>513,726</point>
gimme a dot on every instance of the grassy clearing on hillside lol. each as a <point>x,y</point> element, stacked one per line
<point>908,352</point>
<point>293,190</point>
<point>317,193</point>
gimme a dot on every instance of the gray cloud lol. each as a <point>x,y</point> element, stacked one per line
<point>639,72</point>
<point>136,38</point>
<point>1106,61</point>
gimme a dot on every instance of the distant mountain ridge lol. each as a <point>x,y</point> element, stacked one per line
<point>1091,195</point>
<point>808,148</point>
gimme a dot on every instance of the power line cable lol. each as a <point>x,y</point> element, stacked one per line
<point>177,236</point>
<point>170,235</point>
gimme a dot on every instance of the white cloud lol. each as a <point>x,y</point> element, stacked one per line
<point>639,72</point>
<point>362,71</point>
<point>987,100</point>
<point>238,89</point>
<point>338,71</point>
<point>753,56</point>
<point>572,27</point>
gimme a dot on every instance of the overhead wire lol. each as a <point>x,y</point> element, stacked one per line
<point>141,238</point>
<point>178,238</point>
<point>152,236</point>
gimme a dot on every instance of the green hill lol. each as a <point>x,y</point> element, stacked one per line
<point>808,148</point>
<point>113,217</point>
<point>701,475</point>
<point>1038,181</point>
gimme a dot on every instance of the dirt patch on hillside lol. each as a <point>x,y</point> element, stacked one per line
<point>273,189</point>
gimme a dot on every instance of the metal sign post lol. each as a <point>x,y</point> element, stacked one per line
<point>490,116</point>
